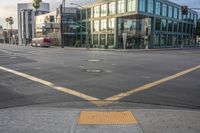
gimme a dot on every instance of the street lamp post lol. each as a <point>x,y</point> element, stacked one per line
<point>62,10</point>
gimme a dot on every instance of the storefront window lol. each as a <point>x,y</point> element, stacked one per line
<point>158,8</point>
<point>110,39</point>
<point>164,24</point>
<point>158,24</point>
<point>121,6</point>
<point>170,41</point>
<point>184,27</point>
<point>170,11</point>
<point>112,8</point>
<point>163,40</point>
<point>104,10</point>
<point>95,39</point>
<point>175,26</point>
<point>157,40</point>
<point>96,11</point>
<point>164,10</point>
<point>131,5</point>
<point>111,24</point>
<point>170,25</point>
<point>96,25</point>
<point>103,25</point>
<point>142,5</point>
<point>103,39</point>
<point>180,29</point>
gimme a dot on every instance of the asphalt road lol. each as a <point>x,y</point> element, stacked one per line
<point>98,75</point>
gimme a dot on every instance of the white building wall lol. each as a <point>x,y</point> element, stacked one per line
<point>44,8</point>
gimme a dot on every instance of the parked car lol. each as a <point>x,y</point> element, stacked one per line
<point>41,42</point>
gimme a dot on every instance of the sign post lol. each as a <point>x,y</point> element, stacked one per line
<point>124,40</point>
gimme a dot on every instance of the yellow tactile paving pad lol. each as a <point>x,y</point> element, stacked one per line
<point>106,118</point>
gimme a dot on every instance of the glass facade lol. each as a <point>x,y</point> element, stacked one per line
<point>167,27</point>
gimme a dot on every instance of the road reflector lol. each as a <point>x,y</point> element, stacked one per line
<point>106,118</point>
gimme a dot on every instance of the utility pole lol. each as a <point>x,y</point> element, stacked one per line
<point>62,10</point>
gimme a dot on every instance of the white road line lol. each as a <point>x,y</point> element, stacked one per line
<point>148,86</point>
<point>53,86</point>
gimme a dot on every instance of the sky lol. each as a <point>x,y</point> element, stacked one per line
<point>9,7</point>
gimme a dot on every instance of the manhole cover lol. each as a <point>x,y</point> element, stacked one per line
<point>93,70</point>
<point>94,60</point>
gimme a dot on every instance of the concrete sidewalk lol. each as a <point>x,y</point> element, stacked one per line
<point>64,120</point>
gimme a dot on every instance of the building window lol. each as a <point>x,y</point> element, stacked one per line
<point>158,24</point>
<point>192,18</point>
<point>142,5</point>
<point>111,24</point>
<point>170,25</point>
<point>104,10</point>
<point>184,27</point>
<point>112,8</point>
<point>158,8</point>
<point>96,11</point>
<point>180,27</point>
<point>188,28</point>
<point>164,10</point>
<point>170,11</point>
<point>103,25</point>
<point>164,24</point>
<point>150,6</point>
<point>176,13</point>
<point>184,17</point>
<point>121,6</point>
<point>175,26</point>
<point>96,25</point>
<point>180,14</point>
<point>131,5</point>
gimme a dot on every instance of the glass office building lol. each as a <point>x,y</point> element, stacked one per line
<point>146,23</point>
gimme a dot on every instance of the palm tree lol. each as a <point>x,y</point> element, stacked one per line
<point>7,20</point>
<point>10,21</point>
<point>36,5</point>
